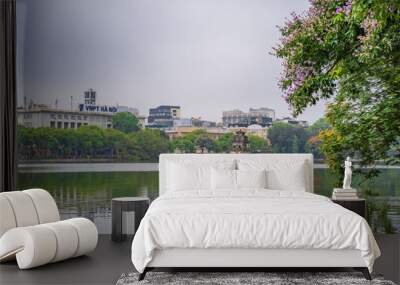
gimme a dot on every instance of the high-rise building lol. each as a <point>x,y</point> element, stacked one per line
<point>163,116</point>
<point>198,122</point>
<point>264,112</point>
<point>238,118</point>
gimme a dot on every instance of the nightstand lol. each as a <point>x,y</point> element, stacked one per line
<point>138,205</point>
<point>358,205</point>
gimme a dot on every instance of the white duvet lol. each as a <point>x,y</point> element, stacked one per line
<point>250,219</point>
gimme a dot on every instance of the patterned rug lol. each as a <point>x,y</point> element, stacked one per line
<point>243,278</point>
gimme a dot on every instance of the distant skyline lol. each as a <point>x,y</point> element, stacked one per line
<point>206,56</point>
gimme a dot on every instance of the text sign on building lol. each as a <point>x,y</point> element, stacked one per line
<point>95,108</point>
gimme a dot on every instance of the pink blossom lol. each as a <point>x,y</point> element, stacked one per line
<point>347,7</point>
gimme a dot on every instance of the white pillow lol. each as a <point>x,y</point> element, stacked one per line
<point>223,179</point>
<point>181,177</point>
<point>281,174</point>
<point>193,175</point>
<point>251,178</point>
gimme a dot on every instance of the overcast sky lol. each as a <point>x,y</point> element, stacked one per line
<point>204,55</point>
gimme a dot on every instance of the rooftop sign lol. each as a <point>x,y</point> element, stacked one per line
<point>98,109</point>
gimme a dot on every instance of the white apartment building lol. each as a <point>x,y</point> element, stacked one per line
<point>238,118</point>
<point>42,116</point>
<point>87,114</point>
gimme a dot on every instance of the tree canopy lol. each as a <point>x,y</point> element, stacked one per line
<point>125,122</point>
<point>90,142</point>
<point>287,138</point>
<point>199,140</point>
<point>347,52</point>
<point>258,144</point>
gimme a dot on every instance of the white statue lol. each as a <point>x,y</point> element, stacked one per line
<point>347,174</point>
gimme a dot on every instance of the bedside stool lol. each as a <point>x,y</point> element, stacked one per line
<point>358,205</point>
<point>139,205</point>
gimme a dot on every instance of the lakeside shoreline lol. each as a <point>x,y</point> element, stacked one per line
<point>53,167</point>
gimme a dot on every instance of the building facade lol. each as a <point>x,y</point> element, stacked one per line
<point>86,114</point>
<point>193,122</point>
<point>40,116</point>
<point>254,130</point>
<point>163,116</point>
<point>198,122</point>
<point>237,118</point>
<point>183,122</point>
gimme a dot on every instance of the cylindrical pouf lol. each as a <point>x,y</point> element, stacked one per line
<point>87,235</point>
<point>33,246</point>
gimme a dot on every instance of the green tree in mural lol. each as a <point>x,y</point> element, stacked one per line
<point>258,144</point>
<point>90,142</point>
<point>205,143</point>
<point>313,144</point>
<point>151,143</point>
<point>349,52</point>
<point>287,138</point>
<point>224,143</point>
<point>295,145</point>
<point>125,122</point>
<point>183,144</point>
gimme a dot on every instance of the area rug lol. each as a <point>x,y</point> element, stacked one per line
<point>244,278</point>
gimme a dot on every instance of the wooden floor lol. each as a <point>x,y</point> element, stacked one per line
<point>110,260</point>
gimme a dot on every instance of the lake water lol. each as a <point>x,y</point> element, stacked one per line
<point>86,189</point>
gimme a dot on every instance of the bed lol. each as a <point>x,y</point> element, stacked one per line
<point>245,211</point>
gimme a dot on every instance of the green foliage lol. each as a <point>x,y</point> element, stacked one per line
<point>150,144</point>
<point>318,126</point>
<point>188,142</point>
<point>205,142</point>
<point>125,122</point>
<point>224,143</point>
<point>313,144</point>
<point>90,142</point>
<point>183,144</point>
<point>348,52</point>
<point>258,145</point>
<point>295,144</point>
<point>199,140</point>
<point>287,138</point>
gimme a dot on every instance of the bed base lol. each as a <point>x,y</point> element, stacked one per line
<point>363,270</point>
<point>250,259</point>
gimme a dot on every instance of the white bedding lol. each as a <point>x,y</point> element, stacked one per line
<point>250,219</point>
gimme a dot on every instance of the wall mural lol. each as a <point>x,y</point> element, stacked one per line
<point>98,101</point>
